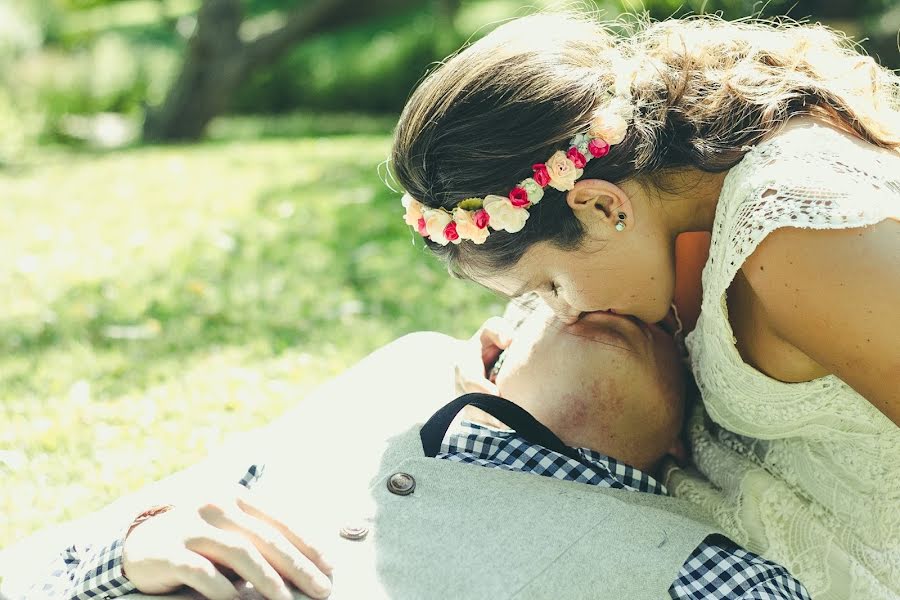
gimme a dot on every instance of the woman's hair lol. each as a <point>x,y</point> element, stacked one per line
<point>703,90</point>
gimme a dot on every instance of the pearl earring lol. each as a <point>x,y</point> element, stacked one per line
<point>620,226</point>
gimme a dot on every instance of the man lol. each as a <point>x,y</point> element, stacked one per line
<point>356,471</point>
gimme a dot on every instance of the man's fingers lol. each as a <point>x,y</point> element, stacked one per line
<point>472,382</point>
<point>199,573</point>
<point>479,354</point>
<point>251,506</point>
<point>468,382</point>
<point>285,550</point>
<point>236,552</point>
<point>493,338</point>
<point>497,331</point>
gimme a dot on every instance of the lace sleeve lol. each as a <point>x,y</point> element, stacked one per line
<point>811,177</point>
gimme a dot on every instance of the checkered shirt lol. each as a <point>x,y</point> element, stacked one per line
<point>718,569</point>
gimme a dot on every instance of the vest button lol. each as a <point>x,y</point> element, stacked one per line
<point>354,532</point>
<point>401,484</point>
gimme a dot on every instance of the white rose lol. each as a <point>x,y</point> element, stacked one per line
<point>611,122</point>
<point>504,215</point>
<point>466,227</point>
<point>435,222</point>
<point>413,210</point>
<point>563,172</point>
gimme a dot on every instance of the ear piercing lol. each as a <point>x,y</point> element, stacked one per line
<point>620,226</point>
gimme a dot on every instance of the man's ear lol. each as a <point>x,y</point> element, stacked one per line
<point>597,200</point>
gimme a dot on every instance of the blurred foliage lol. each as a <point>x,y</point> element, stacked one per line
<point>60,57</point>
<point>364,67</point>
<point>157,298</point>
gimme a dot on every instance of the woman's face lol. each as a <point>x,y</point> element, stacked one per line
<point>606,382</point>
<point>630,275</point>
<point>630,272</point>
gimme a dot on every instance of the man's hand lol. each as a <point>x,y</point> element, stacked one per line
<point>479,355</point>
<point>191,545</point>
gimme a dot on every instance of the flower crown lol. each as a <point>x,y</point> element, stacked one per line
<point>471,218</point>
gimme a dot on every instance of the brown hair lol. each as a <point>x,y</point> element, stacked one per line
<point>703,90</point>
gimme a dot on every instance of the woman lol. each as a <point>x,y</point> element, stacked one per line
<point>558,157</point>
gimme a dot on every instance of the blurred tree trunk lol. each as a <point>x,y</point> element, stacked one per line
<point>217,61</point>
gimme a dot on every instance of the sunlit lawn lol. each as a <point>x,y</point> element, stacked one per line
<point>155,299</point>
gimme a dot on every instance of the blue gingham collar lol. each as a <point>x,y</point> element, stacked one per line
<point>477,443</point>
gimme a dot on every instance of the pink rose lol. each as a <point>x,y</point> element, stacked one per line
<point>482,218</point>
<point>598,148</point>
<point>420,225</point>
<point>518,196</point>
<point>450,232</point>
<point>563,172</point>
<point>576,157</point>
<point>541,176</point>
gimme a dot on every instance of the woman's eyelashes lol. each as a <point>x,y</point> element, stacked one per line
<point>554,289</point>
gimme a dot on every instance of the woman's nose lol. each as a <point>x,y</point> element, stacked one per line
<point>566,313</point>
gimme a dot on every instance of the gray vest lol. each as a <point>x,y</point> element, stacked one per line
<point>467,531</point>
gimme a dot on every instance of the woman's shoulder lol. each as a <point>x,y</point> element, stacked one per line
<point>808,160</point>
<point>808,175</point>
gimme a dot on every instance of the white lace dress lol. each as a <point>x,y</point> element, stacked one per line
<point>807,474</point>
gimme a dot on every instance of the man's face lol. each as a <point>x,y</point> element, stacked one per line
<point>606,382</point>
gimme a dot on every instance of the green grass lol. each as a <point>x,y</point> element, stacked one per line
<point>156,299</point>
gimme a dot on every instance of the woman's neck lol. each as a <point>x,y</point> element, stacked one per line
<point>688,198</point>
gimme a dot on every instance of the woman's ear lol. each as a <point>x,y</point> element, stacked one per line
<point>596,201</point>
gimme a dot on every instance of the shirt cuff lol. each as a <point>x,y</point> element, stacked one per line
<point>100,574</point>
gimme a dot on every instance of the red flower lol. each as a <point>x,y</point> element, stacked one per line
<point>518,196</point>
<point>598,148</point>
<point>482,218</point>
<point>421,226</point>
<point>450,231</point>
<point>576,157</point>
<point>541,175</point>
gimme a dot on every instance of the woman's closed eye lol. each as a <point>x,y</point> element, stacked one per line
<point>554,289</point>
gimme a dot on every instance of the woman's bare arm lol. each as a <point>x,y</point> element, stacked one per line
<point>835,295</point>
